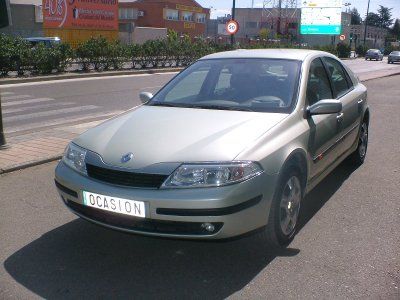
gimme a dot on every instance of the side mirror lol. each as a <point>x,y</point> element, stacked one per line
<point>325,107</point>
<point>145,97</point>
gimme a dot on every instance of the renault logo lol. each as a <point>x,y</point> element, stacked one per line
<point>127,157</point>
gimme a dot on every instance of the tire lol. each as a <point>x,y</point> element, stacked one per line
<point>286,201</point>
<point>357,158</point>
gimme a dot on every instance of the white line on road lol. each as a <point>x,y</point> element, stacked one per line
<point>6,93</point>
<point>50,113</point>
<point>15,97</point>
<point>60,122</point>
<point>41,106</point>
<point>75,79</point>
<point>36,100</point>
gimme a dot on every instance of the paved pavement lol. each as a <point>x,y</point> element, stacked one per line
<point>42,117</point>
<point>348,246</point>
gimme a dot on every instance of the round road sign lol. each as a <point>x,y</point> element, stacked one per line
<point>232,27</point>
<point>342,37</point>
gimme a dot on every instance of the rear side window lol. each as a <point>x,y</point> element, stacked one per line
<point>338,77</point>
<point>318,86</point>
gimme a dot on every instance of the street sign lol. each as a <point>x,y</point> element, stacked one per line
<point>232,27</point>
<point>321,17</point>
<point>342,37</point>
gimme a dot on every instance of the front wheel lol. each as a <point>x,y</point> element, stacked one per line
<point>285,210</point>
<point>357,157</point>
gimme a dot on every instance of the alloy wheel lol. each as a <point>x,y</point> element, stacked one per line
<point>363,140</point>
<point>290,205</point>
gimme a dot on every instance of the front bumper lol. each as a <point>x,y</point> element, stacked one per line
<point>178,213</point>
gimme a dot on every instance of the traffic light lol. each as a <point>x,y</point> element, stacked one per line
<point>4,20</point>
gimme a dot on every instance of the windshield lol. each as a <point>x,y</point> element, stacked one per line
<point>261,85</point>
<point>395,53</point>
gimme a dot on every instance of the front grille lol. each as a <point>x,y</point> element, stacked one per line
<point>143,225</point>
<point>137,180</point>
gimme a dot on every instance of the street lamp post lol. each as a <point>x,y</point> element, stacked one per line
<point>366,24</point>
<point>233,18</point>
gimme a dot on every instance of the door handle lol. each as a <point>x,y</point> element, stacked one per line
<point>360,101</point>
<point>339,117</point>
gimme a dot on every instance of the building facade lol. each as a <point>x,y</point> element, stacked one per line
<point>286,25</point>
<point>26,19</point>
<point>375,36</point>
<point>183,16</point>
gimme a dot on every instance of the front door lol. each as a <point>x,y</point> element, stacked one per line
<point>324,129</point>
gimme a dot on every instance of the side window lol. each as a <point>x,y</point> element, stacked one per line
<point>318,86</point>
<point>338,76</point>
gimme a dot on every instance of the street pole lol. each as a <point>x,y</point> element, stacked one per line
<point>366,24</point>
<point>233,18</point>
<point>3,144</point>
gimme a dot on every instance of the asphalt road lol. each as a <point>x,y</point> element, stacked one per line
<point>32,107</point>
<point>348,245</point>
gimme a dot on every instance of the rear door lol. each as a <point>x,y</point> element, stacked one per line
<point>344,90</point>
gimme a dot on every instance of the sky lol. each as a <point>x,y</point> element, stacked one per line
<point>222,7</point>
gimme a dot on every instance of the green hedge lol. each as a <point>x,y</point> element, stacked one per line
<point>17,55</point>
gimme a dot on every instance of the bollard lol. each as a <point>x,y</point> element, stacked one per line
<point>3,143</point>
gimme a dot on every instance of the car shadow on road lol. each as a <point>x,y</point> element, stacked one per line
<point>81,260</point>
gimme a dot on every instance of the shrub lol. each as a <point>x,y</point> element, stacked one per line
<point>343,50</point>
<point>361,50</point>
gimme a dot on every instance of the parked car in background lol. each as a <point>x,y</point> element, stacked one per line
<point>46,41</point>
<point>374,54</point>
<point>393,57</point>
<point>230,145</point>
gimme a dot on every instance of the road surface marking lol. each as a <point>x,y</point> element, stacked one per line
<point>6,98</point>
<point>35,100</point>
<point>50,113</point>
<point>59,122</point>
<point>41,106</point>
<point>3,86</point>
<point>6,93</point>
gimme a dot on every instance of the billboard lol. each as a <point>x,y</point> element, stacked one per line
<point>80,14</point>
<point>321,17</point>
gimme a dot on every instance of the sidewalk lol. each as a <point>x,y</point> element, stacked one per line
<point>45,146</point>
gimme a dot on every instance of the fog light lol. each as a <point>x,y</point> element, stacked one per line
<point>208,226</point>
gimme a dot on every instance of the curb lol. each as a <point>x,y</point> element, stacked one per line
<point>29,164</point>
<point>86,75</point>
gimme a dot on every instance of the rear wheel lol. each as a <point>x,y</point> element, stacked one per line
<point>285,210</point>
<point>358,156</point>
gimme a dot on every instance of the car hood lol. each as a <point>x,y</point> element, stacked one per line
<point>168,134</point>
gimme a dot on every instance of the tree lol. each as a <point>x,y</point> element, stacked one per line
<point>385,16</point>
<point>395,31</point>
<point>355,17</point>
<point>373,19</point>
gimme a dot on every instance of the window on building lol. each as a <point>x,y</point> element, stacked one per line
<point>172,14</point>
<point>126,13</point>
<point>251,24</point>
<point>187,16</point>
<point>201,18</point>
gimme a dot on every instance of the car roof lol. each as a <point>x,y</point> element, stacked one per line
<point>293,54</point>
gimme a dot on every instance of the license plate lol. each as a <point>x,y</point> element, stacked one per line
<point>113,204</point>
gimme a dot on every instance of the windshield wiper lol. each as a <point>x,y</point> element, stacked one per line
<point>169,104</point>
<point>222,107</point>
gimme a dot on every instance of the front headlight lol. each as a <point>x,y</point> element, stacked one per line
<point>74,157</point>
<point>212,174</point>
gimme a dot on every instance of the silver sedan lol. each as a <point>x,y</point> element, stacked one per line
<point>230,145</point>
